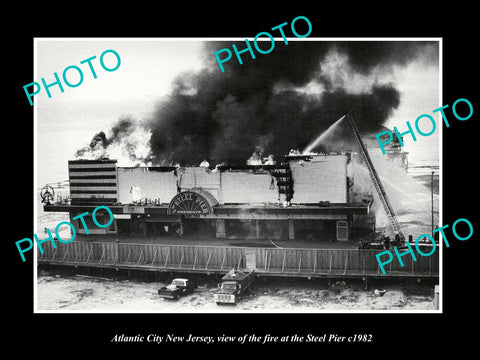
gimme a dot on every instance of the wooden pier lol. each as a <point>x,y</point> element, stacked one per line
<point>327,263</point>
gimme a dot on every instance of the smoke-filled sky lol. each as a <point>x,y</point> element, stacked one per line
<point>170,103</point>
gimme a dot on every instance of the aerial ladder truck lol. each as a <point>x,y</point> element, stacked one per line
<point>399,236</point>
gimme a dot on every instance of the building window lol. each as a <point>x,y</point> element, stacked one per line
<point>342,230</point>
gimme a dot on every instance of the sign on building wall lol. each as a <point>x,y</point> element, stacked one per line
<point>189,203</point>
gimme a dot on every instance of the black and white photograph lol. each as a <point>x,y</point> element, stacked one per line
<point>263,186</point>
<point>214,179</point>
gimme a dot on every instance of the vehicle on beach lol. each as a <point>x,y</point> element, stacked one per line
<point>178,287</point>
<point>233,286</point>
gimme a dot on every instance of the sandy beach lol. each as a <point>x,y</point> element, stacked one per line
<point>88,294</point>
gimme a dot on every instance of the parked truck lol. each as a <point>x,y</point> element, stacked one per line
<point>233,286</point>
<point>177,288</point>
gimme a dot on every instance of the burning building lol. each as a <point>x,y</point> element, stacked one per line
<point>212,118</point>
<point>306,196</point>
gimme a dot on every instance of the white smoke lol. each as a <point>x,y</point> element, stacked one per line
<point>132,149</point>
<point>128,143</point>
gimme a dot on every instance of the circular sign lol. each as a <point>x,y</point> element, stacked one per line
<point>189,203</point>
<point>47,194</point>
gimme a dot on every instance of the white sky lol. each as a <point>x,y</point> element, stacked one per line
<point>145,74</point>
<point>68,120</point>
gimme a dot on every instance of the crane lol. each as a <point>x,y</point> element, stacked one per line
<point>376,181</point>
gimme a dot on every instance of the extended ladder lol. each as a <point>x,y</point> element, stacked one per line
<point>376,181</point>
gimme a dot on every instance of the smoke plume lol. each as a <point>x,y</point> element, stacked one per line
<point>271,104</point>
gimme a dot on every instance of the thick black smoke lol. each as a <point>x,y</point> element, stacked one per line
<point>96,148</point>
<point>226,116</point>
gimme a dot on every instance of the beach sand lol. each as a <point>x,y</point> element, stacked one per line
<point>78,293</point>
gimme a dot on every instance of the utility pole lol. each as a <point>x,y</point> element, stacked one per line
<point>433,224</point>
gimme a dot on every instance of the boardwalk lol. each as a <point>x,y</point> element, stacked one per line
<point>340,263</point>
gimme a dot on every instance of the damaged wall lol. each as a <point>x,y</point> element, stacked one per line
<point>249,187</point>
<point>231,186</point>
<point>140,182</point>
<point>324,178</point>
